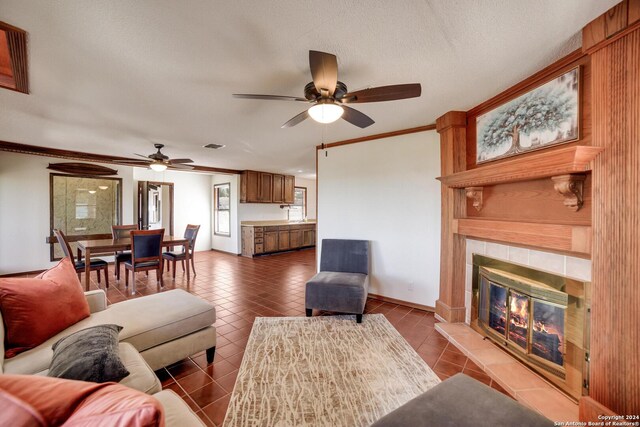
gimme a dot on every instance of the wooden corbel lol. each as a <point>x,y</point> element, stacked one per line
<point>475,194</point>
<point>571,187</point>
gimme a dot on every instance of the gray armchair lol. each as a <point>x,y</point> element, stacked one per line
<point>342,284</point>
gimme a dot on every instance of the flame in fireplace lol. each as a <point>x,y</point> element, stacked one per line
<point>519,312</point>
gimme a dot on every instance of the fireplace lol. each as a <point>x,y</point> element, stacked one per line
<point>540,318</point>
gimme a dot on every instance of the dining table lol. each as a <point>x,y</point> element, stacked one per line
<point>104,246</point>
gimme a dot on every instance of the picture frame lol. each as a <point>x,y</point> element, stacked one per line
<point>543,117</point>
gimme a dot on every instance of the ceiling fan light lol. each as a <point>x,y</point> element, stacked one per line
<point>158,166</point>
<point>326,113</point>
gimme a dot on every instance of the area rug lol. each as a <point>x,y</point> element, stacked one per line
<point>325,371</point>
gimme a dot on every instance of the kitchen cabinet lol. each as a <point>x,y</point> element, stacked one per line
<point>285,236</point>
<point>277,194</point>
<point>283,239</point>
<point>249,187</point>
<point>289,189</point>
<point>270,241</point>
<point>266,187</point>
<point>266,182</point>
<point>309,237</point>
<point>295,238</point>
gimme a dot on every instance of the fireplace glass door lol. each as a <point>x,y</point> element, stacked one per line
<point>518,319</point>
<point>548,332</point>
<point>498,308</point>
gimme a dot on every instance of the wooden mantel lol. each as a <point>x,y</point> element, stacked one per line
<point>556,237</point>
<point>561,161</point>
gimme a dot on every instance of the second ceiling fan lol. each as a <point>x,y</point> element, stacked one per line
<point>330,96</point>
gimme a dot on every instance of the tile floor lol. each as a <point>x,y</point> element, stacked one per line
<point>241,290</point>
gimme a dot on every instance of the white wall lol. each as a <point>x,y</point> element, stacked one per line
<point>231,243</point>
<point>24,210</point>
<point>191,200</point>
<point>385,191</point>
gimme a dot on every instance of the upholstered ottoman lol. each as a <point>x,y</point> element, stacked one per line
<point>461,401</point>
<point>165,327</point>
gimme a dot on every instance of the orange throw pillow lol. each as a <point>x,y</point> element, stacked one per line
<point>36,309</point>
<point>79,403</point>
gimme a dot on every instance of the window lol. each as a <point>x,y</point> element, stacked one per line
<point>222,208</point>
<point>298,211</point>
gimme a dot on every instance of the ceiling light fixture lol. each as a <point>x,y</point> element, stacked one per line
<point>103,187</point>
<point>326,112</point>
<point>158,166</point>
<point>92,191</point>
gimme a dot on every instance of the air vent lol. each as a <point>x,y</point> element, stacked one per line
<point>214,146</point>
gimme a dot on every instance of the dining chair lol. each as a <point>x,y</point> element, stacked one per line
<point>96,264</point>
<point>122,232</point>
<point>190,233</point>
<point>146,255</point>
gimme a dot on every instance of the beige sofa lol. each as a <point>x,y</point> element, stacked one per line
<point>158,330</point>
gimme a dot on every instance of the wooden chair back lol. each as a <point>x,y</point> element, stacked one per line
<point>122,231</point>
<point>190,233</point>
<point>64,244</point>
<point>146,245</point>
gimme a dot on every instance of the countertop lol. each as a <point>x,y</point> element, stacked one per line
<point>275,222</point>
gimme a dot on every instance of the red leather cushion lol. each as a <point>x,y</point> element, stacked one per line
<point>34,310</point>
<point>18,413</point>
<point>79,403</point>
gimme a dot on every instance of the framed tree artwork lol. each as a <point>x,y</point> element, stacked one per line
<point>545,116</point>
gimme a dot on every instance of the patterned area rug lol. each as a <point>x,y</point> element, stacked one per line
<point>325,371</point>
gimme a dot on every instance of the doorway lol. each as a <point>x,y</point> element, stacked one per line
<point>155,205</point>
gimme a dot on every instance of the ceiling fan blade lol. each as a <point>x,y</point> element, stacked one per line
<point>269,97</point>
<point>136,162</point>
<point>144,157</point>
<point>357,118</point>
<point>384,93</point>
<point>176,161</point>
<point>297,119</point>
<point>180,166</point>
<point>324,70</point>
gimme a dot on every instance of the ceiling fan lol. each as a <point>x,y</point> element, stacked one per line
<point>159,162</point>
<point>329,96</point>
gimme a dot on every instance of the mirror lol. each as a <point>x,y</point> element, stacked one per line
<point>155,206</point>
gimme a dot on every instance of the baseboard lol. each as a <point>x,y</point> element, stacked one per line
<point>224,252</point>
<point>401,302</point>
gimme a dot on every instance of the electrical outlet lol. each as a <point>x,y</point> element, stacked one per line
<point>411,286</point>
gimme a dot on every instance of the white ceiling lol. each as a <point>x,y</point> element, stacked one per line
<point>112,77</point>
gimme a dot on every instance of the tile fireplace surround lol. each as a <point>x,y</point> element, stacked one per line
<point>523,384</point>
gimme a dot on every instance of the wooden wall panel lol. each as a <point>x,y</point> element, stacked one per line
<point>531,201</point>
<point>615,313</point>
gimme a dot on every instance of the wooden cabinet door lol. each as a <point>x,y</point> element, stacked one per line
<point>270,241</point>
<point>309,238</point>
<point>289,188</point>
<point>250,187</point>
<point>243,187</point>
<point>266,182</point>
<point>247,241</point>
<point>277,193</point>
<point>283,240</point>
<point>295,239</point>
